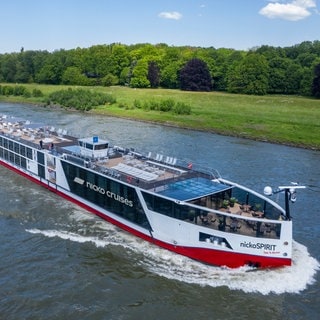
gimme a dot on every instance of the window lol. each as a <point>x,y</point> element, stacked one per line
<point>17,160</point>
<point>41,171</point>
<point>171,208</point>
<point>101,146</point>
<point>16,147</point>
<point>11,157</point>
<point>23,163</point>
<point>40,157</point>
<point>29,153</point>
<point>10,145</point>
<point>23,150</point>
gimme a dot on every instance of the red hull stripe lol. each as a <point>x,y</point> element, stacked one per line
<point>209,256</point>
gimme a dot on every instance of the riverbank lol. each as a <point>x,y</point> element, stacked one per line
<point>288,120</point>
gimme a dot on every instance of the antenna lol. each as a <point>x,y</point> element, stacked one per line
<point>290,194</point>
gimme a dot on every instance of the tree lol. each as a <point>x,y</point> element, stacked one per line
<point>109,80</point>
<point>73,75</point>
<point>38,61</point>
<point>293,77</point>
<point>266,69</point>
<point>139,75</point>
<point>277,75</point>
<point>226,60</point>
<point>250,76</point>
<point>99,63</point>
<point>153,74</point>
<point>169,75</point>
<point>21,76</point>
<point>125,76</point>
<point>120,59</point>
<point>195,76</point>
<point>307,76</point>
<point>316,82</point>
<point>306,59</point>
<point>53,68</point>
<point>8,67</point>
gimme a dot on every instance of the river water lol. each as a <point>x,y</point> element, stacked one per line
<point>59,262</point>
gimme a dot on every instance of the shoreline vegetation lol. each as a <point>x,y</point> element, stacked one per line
<point>283,119</point>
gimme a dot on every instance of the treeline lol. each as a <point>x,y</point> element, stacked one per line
<point>259,71</point>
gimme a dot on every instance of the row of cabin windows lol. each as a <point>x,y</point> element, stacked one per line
<point>13,158</point>
<point>16,147</point>
<point>17,153</point>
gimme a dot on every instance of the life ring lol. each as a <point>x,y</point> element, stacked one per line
<point>129,179</point>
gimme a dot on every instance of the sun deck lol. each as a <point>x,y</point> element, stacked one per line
<point>35,134</point>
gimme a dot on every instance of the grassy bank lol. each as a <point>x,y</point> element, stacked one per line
<point>288,120</point>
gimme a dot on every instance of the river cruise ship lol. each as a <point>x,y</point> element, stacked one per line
<point>174,204</point>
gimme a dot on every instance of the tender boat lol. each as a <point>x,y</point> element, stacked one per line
<point>174,204</point>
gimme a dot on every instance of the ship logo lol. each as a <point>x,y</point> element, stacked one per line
<point>78,180</point>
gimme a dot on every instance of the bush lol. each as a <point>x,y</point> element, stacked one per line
<point>6,90</point>
<point>37,93</point>
<point>80,99</point>
<point>15,91</point>
<point>182,108</point>
<point>122,105</point>
<point>154,105</point>
<point>146,106</point>
<point>109,80</point>
<point>27,94</point>
<point>19,90</point>
<point>167,105</point>
<point>137,104</point>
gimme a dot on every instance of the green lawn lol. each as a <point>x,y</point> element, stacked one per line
<point>289,120</point>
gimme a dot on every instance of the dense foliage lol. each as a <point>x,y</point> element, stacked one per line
<point>19,91</point>
<point>153,74</point>
<point>80,99</point>
<point>259,71</point>
<point>166,105</point>
<point>316,82</point>
<point>195,76</point>
<point>161,105</point>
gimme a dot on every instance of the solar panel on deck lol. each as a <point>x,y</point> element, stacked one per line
<point>193,188</point>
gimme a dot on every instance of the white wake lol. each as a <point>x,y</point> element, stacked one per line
<point>293,279</point>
